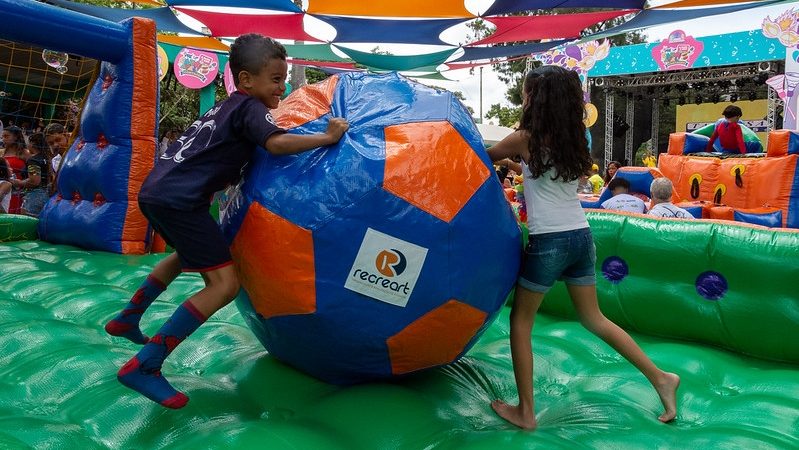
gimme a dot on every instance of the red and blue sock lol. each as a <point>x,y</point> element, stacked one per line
<point>143,372</point>
<point>126,323</point>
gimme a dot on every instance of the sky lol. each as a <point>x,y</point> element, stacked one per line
<point>493,89</point>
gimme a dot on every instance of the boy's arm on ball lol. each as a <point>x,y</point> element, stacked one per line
<point>289,144</point>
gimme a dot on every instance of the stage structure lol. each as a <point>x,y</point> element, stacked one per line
<point>687,63</point>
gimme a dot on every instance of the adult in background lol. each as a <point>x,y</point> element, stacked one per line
<point>622,200</point>
<point>661,189</point>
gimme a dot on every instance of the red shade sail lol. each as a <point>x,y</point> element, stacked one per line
<point>528,28</point>
<point>278,26</point>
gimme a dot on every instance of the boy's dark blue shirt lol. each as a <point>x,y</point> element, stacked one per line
<point>210,155</point>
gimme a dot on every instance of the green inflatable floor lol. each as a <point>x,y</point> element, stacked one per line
<point>58,389</point>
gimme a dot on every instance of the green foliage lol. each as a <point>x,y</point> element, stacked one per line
<point>507,116</point>
<point>314,75</point>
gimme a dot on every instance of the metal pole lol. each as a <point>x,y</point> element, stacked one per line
<point>481,94</point>
<point>628,139</point>
<point>609,99</point>
<point>655,125</point>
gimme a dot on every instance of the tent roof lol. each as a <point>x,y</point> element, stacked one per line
<point>164,18</point>
<point>391,8</point>
<point>408,31</point>
<point>278,26</point>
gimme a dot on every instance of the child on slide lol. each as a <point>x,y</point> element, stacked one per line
<point>551,142</point>
<point>175,199</point>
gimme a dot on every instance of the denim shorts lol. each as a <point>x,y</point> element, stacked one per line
<point>34,201</point>
<point>567,255</point>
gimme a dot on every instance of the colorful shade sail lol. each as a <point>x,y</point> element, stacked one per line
<point>278,26</point>
<point>394,62</point>
<point>652,17</point>
<point>692,3</point>
<point>200,42</point>
<point>317,52</point>
<point>336,65</point>
<point>391,8</point>
<point>528,28</point>
<point>275,5</point>
<point>423,31</point>
<point>512,6</point>
<point>506,51</point>
<point>164,19</point>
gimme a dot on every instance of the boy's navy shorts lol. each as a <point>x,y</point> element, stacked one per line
<point>194,235</point>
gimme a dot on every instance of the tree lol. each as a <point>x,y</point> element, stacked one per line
<point>511,73</point>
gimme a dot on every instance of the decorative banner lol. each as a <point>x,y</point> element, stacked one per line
<point>163,63</point>
<point>230,83</point>
<point>196,69</point>
<point>677,52</point>
<point>784,28</point>
<point>591,115</point>
<point>579,57</point>
<point>777,82</point>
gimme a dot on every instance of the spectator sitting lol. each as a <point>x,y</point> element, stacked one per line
<point>36,185</point>
<point>662,189</point>
<point>621,200</point>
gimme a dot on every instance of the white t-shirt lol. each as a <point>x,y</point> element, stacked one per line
<point>54,163</point>
<point>5,199</point>
<point>625,202</point>
<point>669,210</point>
<point>552,206</point>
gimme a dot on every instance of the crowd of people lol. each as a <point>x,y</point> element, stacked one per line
<point>31,157</point>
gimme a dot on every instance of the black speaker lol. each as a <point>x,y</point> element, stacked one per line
<point>620,126</point>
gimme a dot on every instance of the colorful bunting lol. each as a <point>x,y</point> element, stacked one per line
<point>512,6</point>
<point>278,26</point>
<point>164,19</point>
<point>423,31</point>
<point>391,8</point>
<point>393,62</point>
<point>651,17</point>
<point>274,5</point>
<point>507,51</point>
<point>528,28</point>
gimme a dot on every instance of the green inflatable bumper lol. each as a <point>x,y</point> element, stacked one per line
<point>14,227</point>
<point>58,387</point>
<point>713,282</point>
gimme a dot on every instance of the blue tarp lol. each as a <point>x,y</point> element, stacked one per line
<point>506,51</point>
<point>412,31</point>
<point>164,18</point>
<point>511,6</point>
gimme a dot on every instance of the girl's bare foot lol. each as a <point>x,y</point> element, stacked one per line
<point>514,415</point>
<point>667,391</point>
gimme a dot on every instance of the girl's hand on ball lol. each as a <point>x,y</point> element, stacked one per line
<point>336,128</point>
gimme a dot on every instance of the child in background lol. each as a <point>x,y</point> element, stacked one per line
<point>551,142</point>
<point>36,186</point>
<point>57,139</point>
<point>729,133</point>
<point>15,156</point>
<point>176,195</point>
<point>5,187</point>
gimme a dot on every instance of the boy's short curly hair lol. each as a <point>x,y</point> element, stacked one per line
<point>619,182</point>
<point>251,52</point>
<point>732,111</point>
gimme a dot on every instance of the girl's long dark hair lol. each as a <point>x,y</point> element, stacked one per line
<point>553,115</point>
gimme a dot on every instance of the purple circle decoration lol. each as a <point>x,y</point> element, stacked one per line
<point>711,285</point>
<point>615,269</point>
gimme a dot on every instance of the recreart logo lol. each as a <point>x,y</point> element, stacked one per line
<point>677,52</point>
<point>386,268</point>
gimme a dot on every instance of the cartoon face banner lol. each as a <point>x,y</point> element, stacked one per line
<point>163,63</point>
<point>677,52</point>
<point>785,28</point>
<point>196,69</point>
<point>580,58</point>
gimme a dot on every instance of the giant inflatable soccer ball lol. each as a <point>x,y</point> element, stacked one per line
<point>387,253</point>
